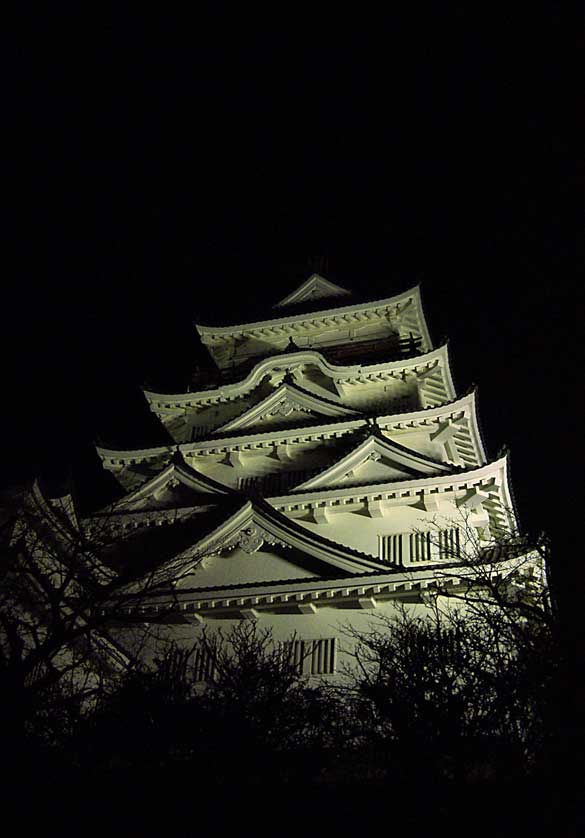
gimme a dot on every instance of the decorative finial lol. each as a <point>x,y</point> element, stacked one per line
<point>319,264</point>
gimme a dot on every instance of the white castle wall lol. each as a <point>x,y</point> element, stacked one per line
<point>366,526</point>
<point>326,624</point>
<point>360,531</point>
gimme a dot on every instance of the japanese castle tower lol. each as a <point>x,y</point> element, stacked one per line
<point>318,476</point>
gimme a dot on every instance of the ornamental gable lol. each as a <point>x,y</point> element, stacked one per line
<point>376,460</point>
<point>176,486</point>
<point>256,526</point>
<point>288,404</point>
<point>250,561</point>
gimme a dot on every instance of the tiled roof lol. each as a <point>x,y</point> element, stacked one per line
<point>294,427</point>
<point>269,312</point>
<point>300,580</point>
<point>324,304</point>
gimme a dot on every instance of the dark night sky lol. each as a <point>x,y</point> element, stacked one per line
<point>166,171</point>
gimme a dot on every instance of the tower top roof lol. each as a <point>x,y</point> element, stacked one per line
<point>314,288</point>
<point>298,312</point>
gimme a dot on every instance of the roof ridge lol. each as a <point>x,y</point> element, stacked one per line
<point>281,518</point>
<point>338,553</point>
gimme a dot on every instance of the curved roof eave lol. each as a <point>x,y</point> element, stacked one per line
<point>463,402</point>
<point>510,504</point>
<point>497,468</point>
<point>331,312</point>
<point>277,525</point>
<point>284,360</point>
<point>192,479</point>
<point>447,369</point>
<point>475,424</point>
<point>347,461</point>
<point>421,313</point>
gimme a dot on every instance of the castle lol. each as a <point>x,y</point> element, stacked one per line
<point>324,470</point>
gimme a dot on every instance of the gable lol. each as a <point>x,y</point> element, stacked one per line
<point>257,526</point>
<point>375,460</point>
<point>242,567</point>
<point>314,288</point>
<point>290,404</point>
<point>287,414</point>
<point>371,471</point>
<point>178,485</point>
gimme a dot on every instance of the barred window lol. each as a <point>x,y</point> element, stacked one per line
<point>420,547</point>
<point>449,543</point>
<point>408,548</point>
<point>204,666</point>
<point>311,657</point>
<point>390,548</point>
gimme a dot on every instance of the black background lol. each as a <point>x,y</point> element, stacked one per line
<point>170,170</point>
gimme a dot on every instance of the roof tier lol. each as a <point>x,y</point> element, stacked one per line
<point>447,433</point>
<point>395,324</point>
<point>333,389</point>
<point>258,547</point>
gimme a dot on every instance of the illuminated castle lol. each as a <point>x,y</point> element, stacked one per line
<point>317,477</point>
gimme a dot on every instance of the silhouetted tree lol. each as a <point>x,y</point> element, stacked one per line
<point>256,718</point>
<point>270,711</point>
<point>60,611</point>
<point>468,686</point>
